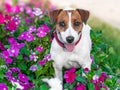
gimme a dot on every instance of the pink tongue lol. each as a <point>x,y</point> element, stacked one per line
<point>70,47</point>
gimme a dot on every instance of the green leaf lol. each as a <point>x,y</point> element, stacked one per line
<point>99,72</point>
<point>102,89</point>
<point>20,57</point>
<point>7,46</point>
<point>90,86</point>
<point>44,87</point>
<point>81,79</point>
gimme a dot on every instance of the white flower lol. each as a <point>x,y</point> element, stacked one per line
<point>37,11</point>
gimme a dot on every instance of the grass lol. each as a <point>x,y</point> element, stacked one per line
<point>111,36</point>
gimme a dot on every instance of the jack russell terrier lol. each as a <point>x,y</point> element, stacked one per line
<point>71,45</point>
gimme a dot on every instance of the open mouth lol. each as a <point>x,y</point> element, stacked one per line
<point>70,47</point>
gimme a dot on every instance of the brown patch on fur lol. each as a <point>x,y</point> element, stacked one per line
<point>76,18</point>
<point>62,17</point>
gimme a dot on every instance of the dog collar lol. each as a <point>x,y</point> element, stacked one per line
<point>61,43</point>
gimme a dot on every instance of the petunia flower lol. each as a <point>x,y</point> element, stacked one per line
<point>8,60</point>
<point>33,68</point>
<point>2,18</point>
<point>42,62</point>
<point>26,36</point>
<point>41,33</point>
<point>43,27</point>
<point>39,48</point>
<point>32,29</point>
<point>37,11</point>
<point>3,86</point>
<point>70,75</point>
<point>80,87</point>
<point>23,77</point>
<point>11,25</point>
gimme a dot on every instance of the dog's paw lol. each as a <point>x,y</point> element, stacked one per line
<point>54,83</point>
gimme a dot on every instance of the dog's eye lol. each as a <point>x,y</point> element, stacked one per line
<point>76,23</point>
<point>62,24</point>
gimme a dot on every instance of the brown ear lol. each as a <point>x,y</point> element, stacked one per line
<point>84,14</point>
<point>53,15</point>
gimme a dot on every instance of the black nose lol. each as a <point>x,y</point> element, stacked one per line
<point>70,39</point>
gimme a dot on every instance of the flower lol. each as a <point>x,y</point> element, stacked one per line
<point>41,33</point>
<point>33,57</point>
<point>39,48</point>
<point>37,11</point>
<point>44,27</point>
<point>23,77</point>
<point>3,86</point>
<point>2,46</point>
<point>11,25</point>
<point>42,62</point>
<point>47,56</point>
<point>8,60</point>
<point>2,18</point>
<point>80,87</point>
<point>70,75</point>
<point>26,36</point>
<point>33,68</point>
<point>32,29</point>
<point>86,70</point>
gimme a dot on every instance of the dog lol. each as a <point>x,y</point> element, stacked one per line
<point>71,45</point>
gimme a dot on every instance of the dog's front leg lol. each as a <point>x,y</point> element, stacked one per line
<point>58,71</point>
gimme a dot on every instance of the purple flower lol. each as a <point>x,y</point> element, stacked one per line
<point>32,29</point>
<point>118,80</point>
<point>33,68</point>
<point>5,54</point>
<point>23,77</point>
<point>37,11</point>
<point>39,48</point>
<point>13,51</point>
<point>44,27</point>
<point>42,62</point>
<point>3,86</point>
<point>47,57</point>
<point>33,57</point>
<point>70,75</point>
<point>26,36</point>
<point>8,60</point>
<point>41,33</point>
<point>15,69</point>
<point>16,19</point>
<point>86,70</point>
<point>92,58</point>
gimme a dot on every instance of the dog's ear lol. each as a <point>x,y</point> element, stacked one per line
<point>53,15</point>
<point>84,14</point>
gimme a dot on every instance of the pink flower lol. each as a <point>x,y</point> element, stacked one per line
<point>44,27</point>
<point>3,86</point>
<point>23,77</point>
<point>81,87</point>
<point>42,62</point>
<point>41,33</point>
<point>70,75</point>
<point>39,48</point>
<point>11,25</point>
<point>2,18</point>
<point>86,70</point>
<point>9,60</point>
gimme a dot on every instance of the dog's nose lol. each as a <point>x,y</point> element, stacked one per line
<point>70,39</point>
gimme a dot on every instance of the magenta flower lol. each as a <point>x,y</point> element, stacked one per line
<point>26,36</point>
<point>86,70</point>
<point>2,46</point>
<point>70,75</point>
<point>42,62</point>
<point>11,25</point>
<point>2,18</point>
<point>80,87</point>
<point>8,17</point>
<point>41,33</point>
<point>13,51</point>
<point>47,57</point>
<point>8,60</point>
<point>3,86</point>
<point>39,48</point>
<point>44,27</point>
<point>8,7</point>
<point>23,77</point>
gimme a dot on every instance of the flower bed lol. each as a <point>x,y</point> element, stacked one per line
<point>25,39</point>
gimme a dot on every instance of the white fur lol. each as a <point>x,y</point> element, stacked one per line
<point>54,83</point>
<point>80,56</point>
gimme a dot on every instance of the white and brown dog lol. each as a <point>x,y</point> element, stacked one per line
<point>71,45</point>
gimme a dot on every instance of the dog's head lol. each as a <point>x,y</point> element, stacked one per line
<point>69,24</point>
